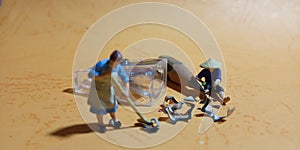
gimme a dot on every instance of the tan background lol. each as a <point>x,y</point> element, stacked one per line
<point>260,42</point>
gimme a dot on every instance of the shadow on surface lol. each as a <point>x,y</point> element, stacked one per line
<point>71,91</point>
<point>203,115</point>
<point>74,129</point>
<point>84,129</point>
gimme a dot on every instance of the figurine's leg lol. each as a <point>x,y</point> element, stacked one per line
<point>206,102</point>
<point>113,116</point>
<point>221,93</point>
<point>101,126</point>
<point>114,121</point>
<point>100,119</point>
<point>210,112</point>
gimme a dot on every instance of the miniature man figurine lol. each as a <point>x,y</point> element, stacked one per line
<point>102,97</point>
<point>212,76</point>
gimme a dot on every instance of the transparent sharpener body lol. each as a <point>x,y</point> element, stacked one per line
<point>82,83</point>
<point>148,81</point>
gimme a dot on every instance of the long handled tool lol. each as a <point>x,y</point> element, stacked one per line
<point>152,125</point>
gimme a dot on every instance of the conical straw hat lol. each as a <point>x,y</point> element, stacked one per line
<point>211,63</point>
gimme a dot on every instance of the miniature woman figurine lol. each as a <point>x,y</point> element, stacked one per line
<point>102,97</point>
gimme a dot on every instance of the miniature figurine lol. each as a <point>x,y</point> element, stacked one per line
<point>101,96</point>
<point>212,78</point>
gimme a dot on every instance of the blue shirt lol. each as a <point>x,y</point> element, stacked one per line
<point>103,66</point>
<point>210,76</point>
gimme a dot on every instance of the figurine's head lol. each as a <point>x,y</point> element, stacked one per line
<point>116,57</point>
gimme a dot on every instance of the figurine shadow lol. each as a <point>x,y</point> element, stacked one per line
<point>199,115</point>
<point>163,119</point>
<point>84,129</point>
<point>204,115</point>
<point>74,129</point>
<point>167,120</point>
<point>71,91</point>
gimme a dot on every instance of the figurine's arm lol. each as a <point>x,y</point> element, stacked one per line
<point>218,79</point>
<point>98,69</point>
<point>124,77</point>
<point>122,73</point>
<point>200,75</point>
